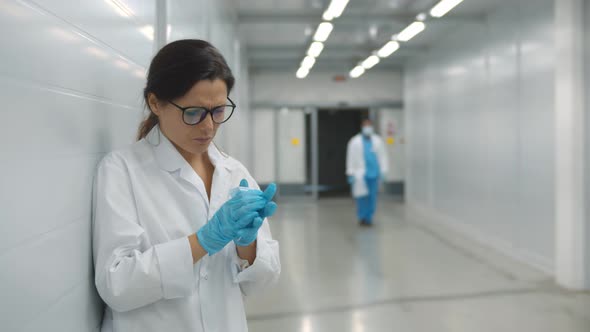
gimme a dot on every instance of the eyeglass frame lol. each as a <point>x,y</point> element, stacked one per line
<point>207,111</point>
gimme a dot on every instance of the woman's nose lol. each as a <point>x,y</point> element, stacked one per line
<point>207,122</point>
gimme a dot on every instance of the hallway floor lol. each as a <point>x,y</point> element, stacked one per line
<point>401,275</point>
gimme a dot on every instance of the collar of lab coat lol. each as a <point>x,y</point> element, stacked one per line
<point>171,160</point>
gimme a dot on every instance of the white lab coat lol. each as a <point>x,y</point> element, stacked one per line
<point>147,200</point>
<point>355,162</point>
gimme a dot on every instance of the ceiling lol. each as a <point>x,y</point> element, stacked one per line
<point>277,33</point>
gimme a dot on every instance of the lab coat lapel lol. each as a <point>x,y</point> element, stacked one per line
<point>170,160</point>
<point>188,174</point>
<point>221,178</point>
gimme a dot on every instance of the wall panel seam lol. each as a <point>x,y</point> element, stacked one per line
<point>98,155</point>
<point>27,83</point>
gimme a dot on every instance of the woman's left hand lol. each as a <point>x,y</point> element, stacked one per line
<point>248,234</point>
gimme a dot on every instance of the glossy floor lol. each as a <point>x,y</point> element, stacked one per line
<point>401,275</point>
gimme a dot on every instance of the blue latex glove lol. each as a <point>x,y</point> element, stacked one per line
<point>239,211</point>
<point>350,179</point>
<point>248,234</point>
<point>269,193</point>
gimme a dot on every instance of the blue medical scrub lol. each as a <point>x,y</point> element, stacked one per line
<point>366,205</point>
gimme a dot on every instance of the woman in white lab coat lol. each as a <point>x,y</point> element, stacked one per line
<point>175,248</point>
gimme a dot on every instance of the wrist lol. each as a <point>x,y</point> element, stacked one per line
<point>197,249</point>
<point>251,245</point>
<point>247,253</point>
<point>201,239</point>
<point>210,242</point>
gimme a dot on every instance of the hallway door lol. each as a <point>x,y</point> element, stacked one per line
<point>335,128</point>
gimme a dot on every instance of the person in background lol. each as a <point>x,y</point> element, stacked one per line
<point>179,228</point>
<point>366,164</point>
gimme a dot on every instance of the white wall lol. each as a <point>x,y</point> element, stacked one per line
<point>237,132</point>
<point>291,125</point>
<point>392,126</point>
<point>264,146</point>
<point>71,77</point>
<point>319,88</point>
<point>188,19</point>
<point>480,130</point>
<point>277,157</point>
<point>586,139</point>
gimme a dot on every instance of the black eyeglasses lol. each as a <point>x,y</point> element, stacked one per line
<point>193,115</point>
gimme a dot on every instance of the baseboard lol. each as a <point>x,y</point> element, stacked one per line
<point>395,188</point>
<point>519,254</point>
<point>289,188</point>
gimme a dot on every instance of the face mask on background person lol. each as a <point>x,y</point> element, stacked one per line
<point>367,130</point>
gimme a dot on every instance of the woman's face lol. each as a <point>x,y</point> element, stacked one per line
<point>191,139</point>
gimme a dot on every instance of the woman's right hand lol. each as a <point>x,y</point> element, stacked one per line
<point>241,209</point>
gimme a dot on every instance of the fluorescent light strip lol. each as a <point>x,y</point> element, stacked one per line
<point>411,31</point>
<point>443,7</point>
<point>370,62</point>
<point>323,32</point>
<point>315,49</point>
<point>357,71</point>
<point>388,49</point>
<point>335,9</point>
<point>308,62</point>
<point>339,8</point>
<point>302,73</point>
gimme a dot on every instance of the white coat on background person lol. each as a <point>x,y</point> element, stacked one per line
<point>164,259</point>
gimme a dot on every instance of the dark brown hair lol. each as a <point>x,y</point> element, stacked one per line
<point>176,68</point>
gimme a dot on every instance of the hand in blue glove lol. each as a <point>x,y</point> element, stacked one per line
<point>269,193</point>
<point>350,179</point>
<point>240,210</point>
<point>248,234</point>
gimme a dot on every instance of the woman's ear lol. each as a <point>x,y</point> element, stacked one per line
<point>154,104</point>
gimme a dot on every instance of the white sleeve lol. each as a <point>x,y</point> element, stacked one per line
<point>129,271</point>
<point>266,269</point>
<point>350,169</point>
